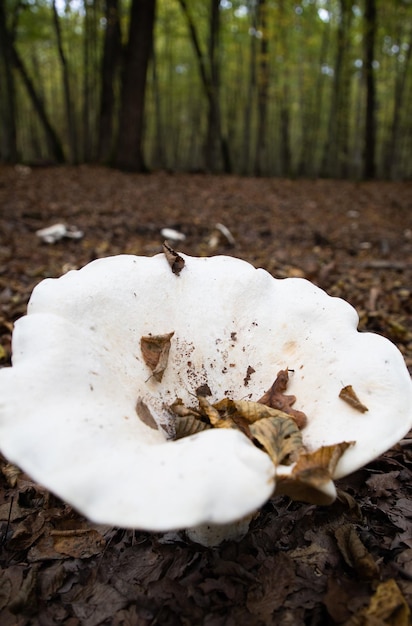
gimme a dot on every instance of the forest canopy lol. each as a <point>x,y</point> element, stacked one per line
<point>253,87</point>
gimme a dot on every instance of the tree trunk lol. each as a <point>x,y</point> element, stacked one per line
<point>71,131</point>
<point>336,151</point>
<point>53,142</point>
<point>210,80</point>
<point>112,49</point>
<point>392,157</point>
<point>262,88</point>
<point>129,155</point>
<point>370,118</point>
<point>8,136</point>
<point>248,110</point>
<point>286,155</point>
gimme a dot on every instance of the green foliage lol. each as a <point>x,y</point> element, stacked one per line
<point>294,47</point>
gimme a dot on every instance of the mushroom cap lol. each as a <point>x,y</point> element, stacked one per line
<point>68,404</point>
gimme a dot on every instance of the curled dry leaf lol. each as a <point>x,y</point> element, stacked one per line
<point>249,411</point>
<point>175,261</point>
<point>349,396</point>
<point>188,421</point>
<point>144,413</point>
<point>279,437</point>
<point>276,399</point>
<point>270,429</point>
<point>311,474</point>
<point>355,553</point>
<point>155,351</point>
<point>189,425</point>
<point>318,467</point>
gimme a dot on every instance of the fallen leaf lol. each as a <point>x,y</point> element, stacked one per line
<point>250,411</point>
<point>318,467</point>
<point>280,438</point>
<point>175,261</point>
<point>277,579</point>
<point>276,399</point>
<point>311,473</point>
<point>349,396</point>
<point>155,351</point>
<point>355,553</point>
<point>270,429</point>
<point>81,543</point>
<point>189,425</point>
<point>25,600</point>
<point>187,421</point>
<point>387,607</point>
<point>11,473</point>
<point>143,412</point>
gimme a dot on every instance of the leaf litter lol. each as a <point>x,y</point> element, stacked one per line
<point>289,569</point>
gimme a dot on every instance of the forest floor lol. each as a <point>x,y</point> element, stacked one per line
<point>296,566</point>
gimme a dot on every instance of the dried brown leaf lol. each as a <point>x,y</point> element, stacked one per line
<point>312,472</point>
<point>250,411</point>
<point>175,261</point>
<point>276,399</point>
<point>271,430</point>
<point>349,396</point>
<point>355,553</point>
<point>280,438</point>
<point>387,607</point>
<point>187,421</point>
<point>189,425</point>
<point>11,473</point>
<point>317,467</point>
<point>143,412</point>
<point>25,600</point>
<point>81,544</point>
<point>155,351</point>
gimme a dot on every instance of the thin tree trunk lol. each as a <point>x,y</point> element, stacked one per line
<point>262,88</point>
<point>71,131</point>
<point>335,157</point>
<point>53,141</point>
<point>129,155</point>
<point>112,49</point>
<point>209,76</point>
<point>247,118</point>
<point>8,139</point>
<point>286,156</point>
<point>159,142</point>
<point>370,118</point>
<point>395,130</point>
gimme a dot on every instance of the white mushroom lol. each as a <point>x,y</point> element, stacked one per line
<point>68,404</point>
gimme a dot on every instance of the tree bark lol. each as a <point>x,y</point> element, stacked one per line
<point>71,131</point>
<point>209,73</point>
<point>112,49</point>
<point>263,78</point>
<point>370,118</point>
<point>8,136</point>
<point>53,142</point>
<point>336,151</point>
<point>129,155</point>
<point>393,149</point>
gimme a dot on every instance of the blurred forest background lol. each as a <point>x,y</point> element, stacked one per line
<point>254,87</point>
